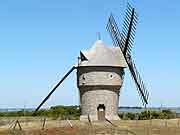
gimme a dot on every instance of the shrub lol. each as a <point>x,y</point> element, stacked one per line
<point>149,114</point>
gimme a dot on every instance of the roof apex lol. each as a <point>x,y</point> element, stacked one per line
<point>101,55</point>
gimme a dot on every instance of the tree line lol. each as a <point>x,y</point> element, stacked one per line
<point>73,112</point>
<point>64,112</point>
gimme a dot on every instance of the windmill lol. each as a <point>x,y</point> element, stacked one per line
<point>100,72</point>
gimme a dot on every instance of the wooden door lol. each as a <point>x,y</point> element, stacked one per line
<point>101,112</point>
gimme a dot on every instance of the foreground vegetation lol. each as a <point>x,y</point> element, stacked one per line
<point>34,126</point>
<point>150,114</point>
<point>73,112</point>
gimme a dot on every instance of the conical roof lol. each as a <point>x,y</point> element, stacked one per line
<point>101,55</point>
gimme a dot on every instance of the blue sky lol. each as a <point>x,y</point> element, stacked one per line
<point>41,39</point>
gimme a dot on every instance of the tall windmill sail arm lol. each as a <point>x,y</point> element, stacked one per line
<point>52,91</point>
<point>129,33</point>
<point>126,37</point>
<point>138,81</point>
<point>124,41</point>
<point>114,31</point>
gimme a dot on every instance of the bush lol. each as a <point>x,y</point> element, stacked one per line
<point>131,116</point>
<point>150,114</point>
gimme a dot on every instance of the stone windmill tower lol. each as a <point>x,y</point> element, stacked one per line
<point>100,72</point>
<point>99,79</point>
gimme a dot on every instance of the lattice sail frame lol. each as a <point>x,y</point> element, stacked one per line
<point>125,40</point>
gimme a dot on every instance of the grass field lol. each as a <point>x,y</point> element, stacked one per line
<point>34,126</point>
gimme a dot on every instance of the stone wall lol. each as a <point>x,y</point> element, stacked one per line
<point>99,85</point>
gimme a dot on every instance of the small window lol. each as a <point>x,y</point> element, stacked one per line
<point>83,77</point>
<point>111,76</point>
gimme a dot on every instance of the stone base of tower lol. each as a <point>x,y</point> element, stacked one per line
<point>95,117</point>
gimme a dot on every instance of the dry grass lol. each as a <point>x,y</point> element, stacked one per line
<point>123,127</point>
